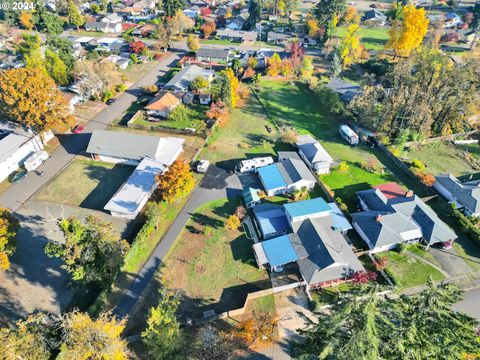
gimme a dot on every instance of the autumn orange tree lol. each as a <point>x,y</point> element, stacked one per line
<point>31,98</point>
<point>26,20</point>
<point>8,230</point>
<point>407,35</point>
<point>176,182</point>
<point>274,65</point>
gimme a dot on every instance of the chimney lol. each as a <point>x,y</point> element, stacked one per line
<point>409,193</point>
<point>378,218</point>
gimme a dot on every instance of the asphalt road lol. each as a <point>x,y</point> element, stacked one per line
<point>470,304</point>
<point>70,145</point>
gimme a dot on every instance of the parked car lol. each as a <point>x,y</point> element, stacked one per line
<point>110,101</point>
<point>19,176</point>
<point>447,245</point>
<point>78,129</point>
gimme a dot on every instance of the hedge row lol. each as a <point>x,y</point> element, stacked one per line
<point>466,226</point>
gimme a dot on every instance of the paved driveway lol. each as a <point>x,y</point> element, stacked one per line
<point>70,145</point>
<point>35,281</point>
<point>470,304</point>
<point>450,261</point>
<point>216,184</point>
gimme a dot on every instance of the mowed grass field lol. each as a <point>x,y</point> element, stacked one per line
<point>292,104</point>
<point>371,38</point>
<point>443,157</point>
<point>86,183</point>
<point>210,264</point>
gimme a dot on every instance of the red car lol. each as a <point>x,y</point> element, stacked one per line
<point>78,129</point>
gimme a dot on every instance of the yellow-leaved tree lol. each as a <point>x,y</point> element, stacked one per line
<point>8,230</point>
<point>350,48</point>
<point>233,85</point>
<point>85,338</point>
<point>407,35</point>
<point>31,98</point>
<point>176,182</point>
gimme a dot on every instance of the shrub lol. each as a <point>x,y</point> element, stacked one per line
<point>199,83</point>
<point>381,263</point>
<point>379,67</point>
<point>467,226</point>
<point>426,178</point>
<point>343,167</point>
<point>151,89</point>
<point>240,212</point>
<point>179,114</point>
<point>341,204</point>
<point>401,248</point>
<point>289,136</point>
<point>418,164</point>
<point>393,277</point>
<point>232,222</point>
<point>121,87</point>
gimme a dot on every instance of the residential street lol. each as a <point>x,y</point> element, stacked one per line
<point>71,144</point>
<point>217,184</point>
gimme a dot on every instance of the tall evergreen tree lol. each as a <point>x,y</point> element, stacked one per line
<point>255,13</point>
<point>326,13</point>
<point>74,16</point>
<point>171,6</point>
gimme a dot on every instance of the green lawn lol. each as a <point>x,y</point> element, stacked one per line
<point>244,135</point>
<point>86,183</point>
<point>371,38</point>
<point>409,271</point>
<point>442,157</point>
<point>290,103</point>
<point>196,114</point>
<point>211,264</point>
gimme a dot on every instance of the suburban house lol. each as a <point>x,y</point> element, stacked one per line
<point>213,55</point>
<point>162,104</point>
<point>270,220</point>
<point>145,30</point>
<point>132,196</point>
<point>131,149</point>
<point>192,11</point>
<point>109,28</point>
<point>238,36</point>
<point>374,17</point>
<point>238,22</point>
<point>285,177</point>
<point>452,20</point>
<point>389,219</point>
<point>278,38</point>
<point>110,44</point>
<point>120,61</point>
<point>346,90</point>
<point>465,196</point>
<point>113,18</point>
<point>16,145</point>
<point>314,155</point>
<point>181,81</point>
<point>314,244</point>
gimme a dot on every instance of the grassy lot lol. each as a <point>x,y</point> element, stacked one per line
<point>210,264</point>
<point>419,250</point>
<point>135,72</point>
<point>442,157</point>
<point>86,183</point>
<point>196,115</point>
<point>244,135</point>
<point>409,271</point>
<point>136,258</point>
<point>292,104</point>
<point>371,38</point>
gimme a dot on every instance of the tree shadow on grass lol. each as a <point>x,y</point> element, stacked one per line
<point>205,220</point>
<point>348,194</point>
<point>242,250</point>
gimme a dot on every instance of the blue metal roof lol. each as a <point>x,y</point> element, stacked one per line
<point>307,207</point>
<point>271,177</point>
<point>279,251</point>
<point>339,220</point>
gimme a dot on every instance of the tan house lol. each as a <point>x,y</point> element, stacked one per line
<point>162,104</point>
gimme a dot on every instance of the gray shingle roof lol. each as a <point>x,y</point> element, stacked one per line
<point>400,214</point>
<point>133,146</point>
<point>213,53</point>
<point>184,77</point>
<point>329,255</point>
<point>294,170</point>
<point>467,194</point>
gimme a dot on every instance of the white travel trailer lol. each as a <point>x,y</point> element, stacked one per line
<point>35,160</point>
<point>348,134</point>
<point>251,165</point>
